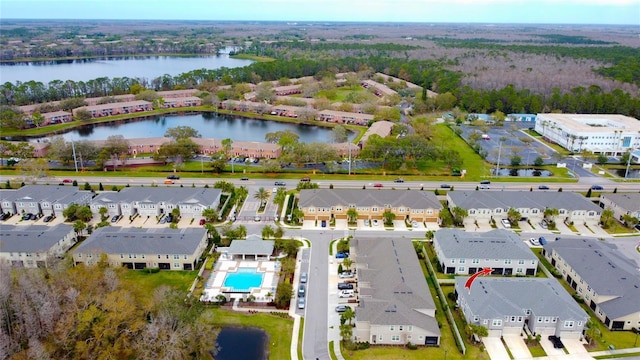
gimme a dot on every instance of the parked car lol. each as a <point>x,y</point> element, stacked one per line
<point>342,255</point>
<point>306,179</point>
<point>173,177</point>
<point>534,242</point>
<point>345,286</point>
<point>542,240</point>
<point>280,183</point>
<point>506,223</point>
<point>398,180</point>
<point>445,186</point>
<point>301,303</point>
<point>301,290</point>
<point>378,185</point>
<point>257,218</point>
<point>366,222</point>
<point>544,224</point>
<point>345,275</point>
<point>4,216</point>
<point>115,218</point>
<point>28,216</point>
<point>557,343</point>
<point>346,293</point>
<point>48,218</point>
<point>543,187</point>
<point>67,181</point>
<point>414,224</point>
<point>341,308</point>
<point>375,222</point>
<point>163,220</point>
<point>203,221</point>
<point>637,227</point>
<point>303,277</point>
<point>323,223</point>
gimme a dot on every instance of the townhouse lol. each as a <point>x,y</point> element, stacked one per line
<point>606,279</point>
<point>395,306</point>
<point>343,117</point>
<point>407,205</point>
<point>182,101</point>
<point>42,199</point>
<point>509,305</point>
<point>503,251</point>
<point>622,204</point>
<point>381,128</point>
<point>157,201</point>
<point>136,248</point>
<point>484,206</point>
<point>34,246</point>
<point>57,117</point>
<point>118,108</point>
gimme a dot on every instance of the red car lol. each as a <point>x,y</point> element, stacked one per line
<point>202,222</point>
<point>378,185</point>
<point>67,181</point>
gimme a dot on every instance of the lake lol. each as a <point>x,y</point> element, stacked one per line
<point>148,67</point>
<point>210,125</point>
<point>236,343</point>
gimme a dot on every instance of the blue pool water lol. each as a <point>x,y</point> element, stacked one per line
<point>243,280</point>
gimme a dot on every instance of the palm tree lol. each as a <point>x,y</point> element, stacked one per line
<point>103,213</point>
<point>278,233</point>
<point>388,217</point>
<point>513,215</point>
<point>349,314</point>
<point>262,194</point>
<point>267,232</point>
<point>352,215</point>
<point>210,214</point>
<point>346,263</point>
<point>458,215</point>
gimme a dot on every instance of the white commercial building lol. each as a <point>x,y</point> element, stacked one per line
<point>599,133</point>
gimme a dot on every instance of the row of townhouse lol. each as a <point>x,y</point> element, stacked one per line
<point>207,147</point>
<point>607,280</point>
<point>395,306</point>
<point>42,199</point>
<point>408,205</point>
<point>343,117</point>
<point>484,206</point>
<point>156,201</point>
<point>34,246</point>
<point>180,102</point>
<point>136,248</point>
<point>465,253</point>
<point>119,108</point>
<point>505,304</point>
<point>622,204</point>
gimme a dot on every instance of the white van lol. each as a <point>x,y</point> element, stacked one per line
<point>346,293</point>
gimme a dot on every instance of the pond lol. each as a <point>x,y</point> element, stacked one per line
<point>522,172</point>
<point>633,174</point>
<point>235,343</point>
<point>209,125</point>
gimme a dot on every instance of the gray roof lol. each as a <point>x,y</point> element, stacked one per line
<point>172,195</point>
<point>630,202</point>
<point>398,289</point>
<point>32,238</point>
<point>606,270</point>
<point>118,240</point>
<point>491,298</point>
<point>253,245</point>
<point>49,193</point>
<point>521,199</point>
<point>494,244</point>
<point>413,199</point>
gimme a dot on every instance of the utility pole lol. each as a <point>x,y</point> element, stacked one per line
<point>75,160</point>
<point>349,158</point>
<point>626,172</point>
<point>498,164</point>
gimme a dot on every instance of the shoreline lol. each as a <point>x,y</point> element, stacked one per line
<point>67,58</point>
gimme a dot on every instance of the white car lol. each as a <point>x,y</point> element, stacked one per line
<point>346,293</point>
<point>366,222</point>
<point>414,224</point>
<point>506,223</point>
<point>345,275</point>
<point>534,242</point>
<point>375,222</point>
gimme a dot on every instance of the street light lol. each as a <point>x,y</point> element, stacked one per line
<point>626,172</point>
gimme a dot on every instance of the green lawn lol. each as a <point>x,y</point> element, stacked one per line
<point>339,94</point>
<point>279,328</point>
<point>148,282</point>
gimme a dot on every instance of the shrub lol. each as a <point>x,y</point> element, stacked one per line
<point>411,346</point>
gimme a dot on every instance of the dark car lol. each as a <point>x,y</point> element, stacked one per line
<point>445,186</point>
<point>301,290</point>
<point>398,180</point>
<point>115,218</point>
<point>173,177</point>
<point>280,183</point>
<point>244,178</point>
<point>345,286</point>
<point>485,182</point>
<point>28,216</point>
<point>543,187</point>
<point>48,218</point>
<point>4,216</point>
<point>557,343</point>
<point>597,187</point>
<point>306,179</point>
<point>324,223</point>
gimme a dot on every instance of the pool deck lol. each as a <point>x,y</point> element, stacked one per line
<point>214,285</point>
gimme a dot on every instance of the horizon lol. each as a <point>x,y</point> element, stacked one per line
<point>551,12</point>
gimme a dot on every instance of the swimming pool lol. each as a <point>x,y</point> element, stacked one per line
<point>243,280</point>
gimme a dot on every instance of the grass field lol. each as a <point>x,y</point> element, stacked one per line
<point>148,282</point>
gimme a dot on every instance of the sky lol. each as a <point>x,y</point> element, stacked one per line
<point>626,12</point>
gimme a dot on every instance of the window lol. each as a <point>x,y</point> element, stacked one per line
<point>391,328</point>
<point>176,257</point>
<point>568,324</point>
<point>507,261</point>
<point>462,261</point>
<point>521,262</point>
<point>539,319</point>
<point>176,265</point>
<point>519,318</point>
<point>79,255</point>
<point>513,319</point>
<point>380,338</point>
<point>400,327</point>
<point>410,328</point>
<point>395,338</point>
<point>461,269</point>
<point>475,261</point>
<point>496,322</point>
<point>453,261</point>
<point>476,319</point>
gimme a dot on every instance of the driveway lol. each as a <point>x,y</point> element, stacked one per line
<point>495,348</point>
<point>517,346</point>
<point>524,226</point>
<point>547,345</point>
<point>574,346</point>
